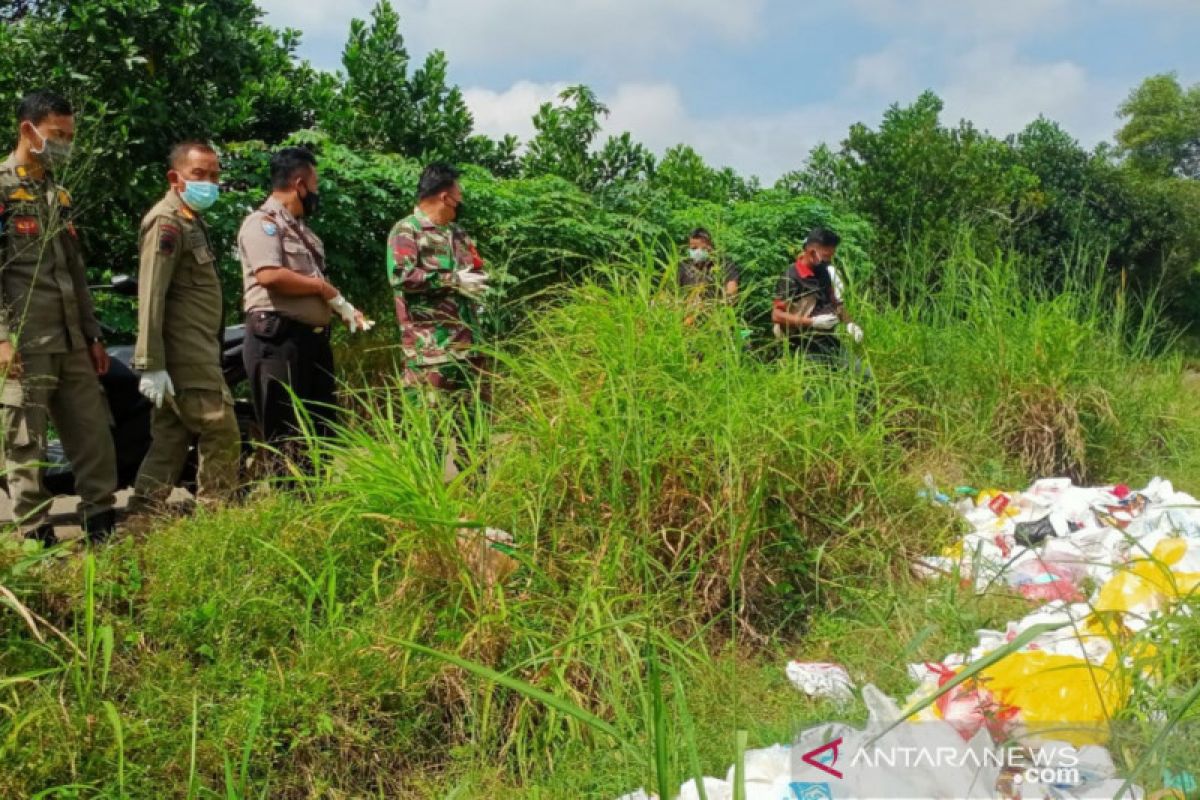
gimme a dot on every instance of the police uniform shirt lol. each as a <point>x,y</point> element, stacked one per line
<point>272,237</point>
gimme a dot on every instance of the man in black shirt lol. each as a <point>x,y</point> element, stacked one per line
<point>808,304</point>
<point>705,274</point>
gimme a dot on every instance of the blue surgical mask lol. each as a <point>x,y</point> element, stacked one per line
<point>200,195</point>
<point>698,254</point>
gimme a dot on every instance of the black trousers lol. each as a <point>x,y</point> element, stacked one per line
<point>285,358</point>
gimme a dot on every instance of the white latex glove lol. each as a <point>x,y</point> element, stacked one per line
<point>825,322</point>
<point>836,280</point>
<point>855,332</point>
<point>156,386</point>
<point>472,283</point>
<point>341,306</point>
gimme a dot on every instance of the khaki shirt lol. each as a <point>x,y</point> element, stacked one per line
<point>45,306</point>
<point>179,297</point>
<point>272,237</point>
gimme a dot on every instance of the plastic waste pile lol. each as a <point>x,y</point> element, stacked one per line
<point>1104,563</point>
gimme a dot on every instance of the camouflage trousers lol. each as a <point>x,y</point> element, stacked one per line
<point>459,375</point>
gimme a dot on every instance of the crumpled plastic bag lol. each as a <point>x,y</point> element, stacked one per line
<point>821,679</point>
<point>1149,585</point>
<point>1057,696</point>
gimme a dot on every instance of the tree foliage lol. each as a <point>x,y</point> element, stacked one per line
<point>380,106</point>
<point>146,73</point>
<point>1162,133</point>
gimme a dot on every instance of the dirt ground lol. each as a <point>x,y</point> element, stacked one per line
<point>63,514</point>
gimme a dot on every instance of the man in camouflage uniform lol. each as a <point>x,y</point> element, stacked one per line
<point>438,279</point>
<point>50,345</point>
<point>180,338</point>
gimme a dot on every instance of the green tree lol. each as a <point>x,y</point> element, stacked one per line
<point>622,161</point>
<point>686,178</point>
<point>562,145</point>
<point>381,107</point>
<point>921,182</point>
<point>1161,136</point>
<point>144,74</point>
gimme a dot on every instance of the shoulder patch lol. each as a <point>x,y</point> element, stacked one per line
<point>269,228</point>
<point>168,238</point>
<point>22,195</point>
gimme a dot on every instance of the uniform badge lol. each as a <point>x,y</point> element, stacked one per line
<point>168,239</point>
<point>269,228</point>
<point>22,195</point>
<point>186,212</point>
<point>26,226</point>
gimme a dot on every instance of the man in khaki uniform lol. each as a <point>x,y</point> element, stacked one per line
<point>289,303</point>
<point>50,346</point>
<point>179,338</point>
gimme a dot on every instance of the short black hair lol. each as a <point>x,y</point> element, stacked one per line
<point>181,150</point>
<point>435,179</point>
<point>702,234</point>
<point>286,163</point>
<point>823,237</point>
<point>37,105</point>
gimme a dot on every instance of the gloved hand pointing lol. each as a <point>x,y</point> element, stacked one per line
<point>472,283</point>
<point>156,386</point>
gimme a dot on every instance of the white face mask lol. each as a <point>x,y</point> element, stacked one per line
<point>698,254</point>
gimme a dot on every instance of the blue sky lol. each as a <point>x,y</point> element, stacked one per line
<point>755,84</point>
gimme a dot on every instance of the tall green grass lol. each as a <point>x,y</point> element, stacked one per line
<point>688,514</point>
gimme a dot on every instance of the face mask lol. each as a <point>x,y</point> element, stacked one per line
<point>53,153</point>
<point>698,254</point>
<point>200,195</point>
<point>311,203</point>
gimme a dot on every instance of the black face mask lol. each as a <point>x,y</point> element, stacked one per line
<point>311,203</point>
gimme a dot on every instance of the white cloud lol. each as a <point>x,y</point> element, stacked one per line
<point>509,111</point>
<point>888,72</point>
<point>998,90</point>
<point>488,31</point>
<point>316,17</point>
<point>981,19</point>
<point>483,32</point>
<point>656,115</point>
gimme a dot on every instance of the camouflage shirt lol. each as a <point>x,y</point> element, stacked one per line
<point>435,319</point>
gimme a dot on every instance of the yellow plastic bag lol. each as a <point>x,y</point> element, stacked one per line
<point>1059,696</point>
<point>1149,584</point>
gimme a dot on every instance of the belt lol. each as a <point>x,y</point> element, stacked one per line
<point>291,324</point>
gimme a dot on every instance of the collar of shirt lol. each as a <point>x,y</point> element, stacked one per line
<point>803,268</point>
<point>426,223</point>
<point>279,210</point>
